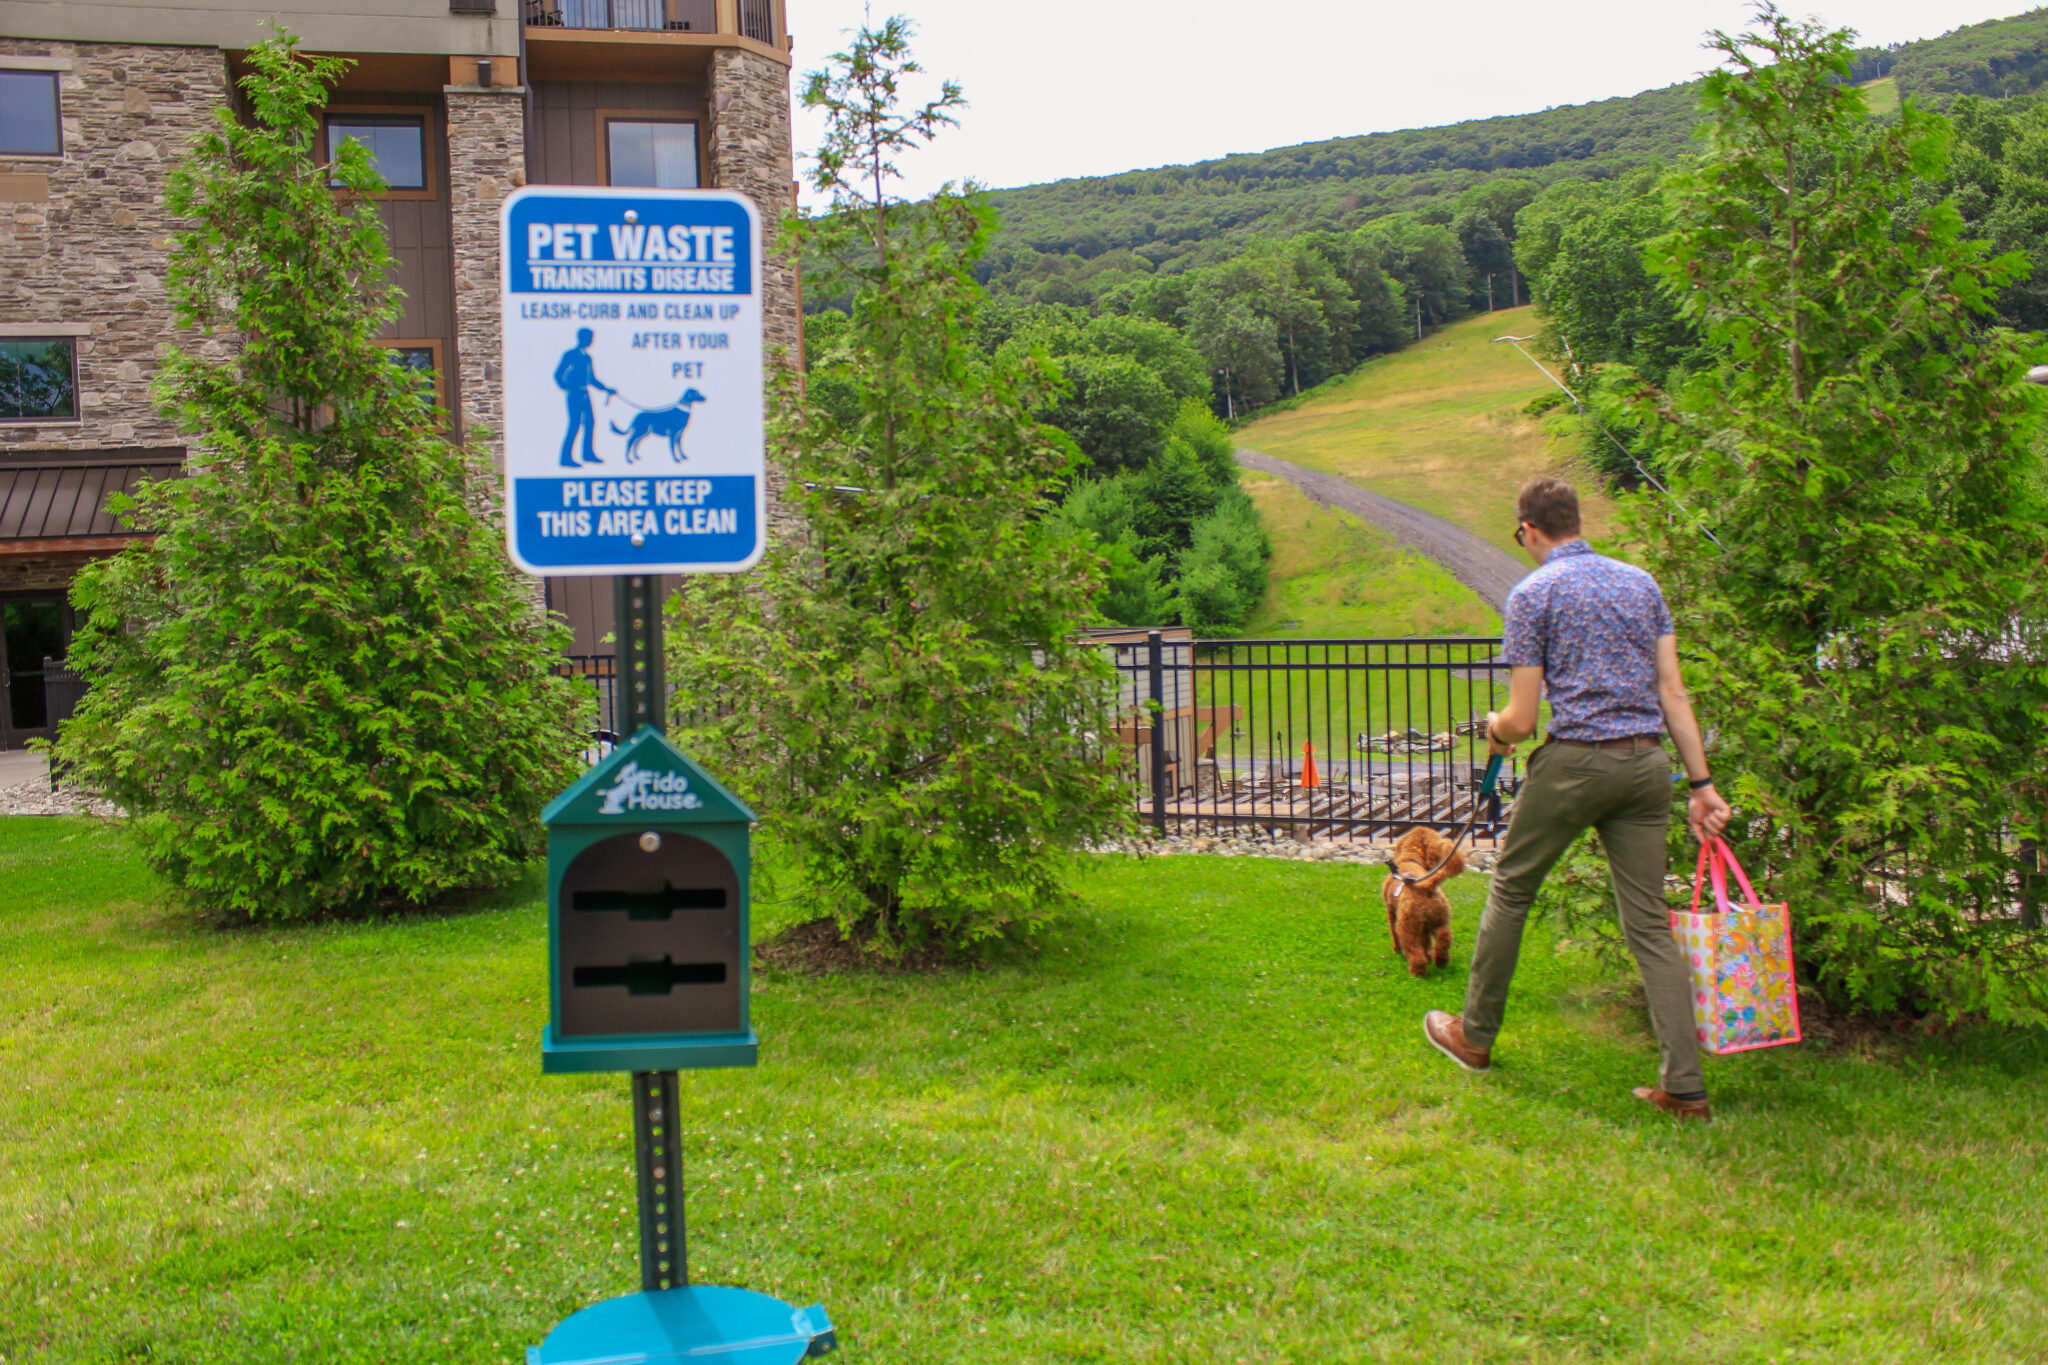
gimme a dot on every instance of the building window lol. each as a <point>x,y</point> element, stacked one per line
<point>423,360</point>
<point>397,144</point>
<point>651,155</point>
<point>28,114</point>
<point>38,379</point>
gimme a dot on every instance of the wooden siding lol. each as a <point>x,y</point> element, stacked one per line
<point>565,142</point>
<point>586,605</point>
<point>422,238</point>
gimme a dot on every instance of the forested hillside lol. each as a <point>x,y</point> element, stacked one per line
<point>1068,241</point>
<point>1181,216</point>
<point>2000,57</point>
<point>1253,280</point>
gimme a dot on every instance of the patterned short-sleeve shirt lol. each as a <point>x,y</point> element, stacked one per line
<point>1591,624</point>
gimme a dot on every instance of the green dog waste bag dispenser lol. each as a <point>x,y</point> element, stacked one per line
<point>648,972</point>
<point>648,875</point>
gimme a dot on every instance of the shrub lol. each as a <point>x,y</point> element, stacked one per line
<point>321,686</point>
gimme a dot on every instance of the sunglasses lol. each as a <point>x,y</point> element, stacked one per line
<point>1521,538</point>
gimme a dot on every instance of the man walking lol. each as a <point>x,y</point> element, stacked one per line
<point>1597,634</point>
<point>576,376</point>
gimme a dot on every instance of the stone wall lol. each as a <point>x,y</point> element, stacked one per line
<point>486,162</point>
<point>92,250</point>
<point>750,151</point>
<point>41,573</point>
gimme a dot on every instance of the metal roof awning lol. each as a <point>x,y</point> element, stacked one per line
<point>55,502</point>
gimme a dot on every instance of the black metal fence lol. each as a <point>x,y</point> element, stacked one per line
<point>755,18</point>
<point>601,671</point>
<point>1219,735</point>
<point>1346,739</point>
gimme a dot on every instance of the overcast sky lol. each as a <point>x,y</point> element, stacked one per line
<point>1115,85</point>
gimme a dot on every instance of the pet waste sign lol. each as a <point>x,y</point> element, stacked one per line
<point>632,373</point>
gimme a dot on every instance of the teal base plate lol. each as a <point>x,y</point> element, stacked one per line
<point>711,1323</point>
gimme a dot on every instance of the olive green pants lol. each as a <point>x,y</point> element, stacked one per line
<point>1626,795</point>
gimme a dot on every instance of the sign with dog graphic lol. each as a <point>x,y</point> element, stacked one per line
<point>632,373</point>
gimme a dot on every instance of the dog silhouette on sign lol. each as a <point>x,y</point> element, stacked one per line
<point>667,422</point>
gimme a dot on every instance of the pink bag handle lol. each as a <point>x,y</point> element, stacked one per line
<point>1715,858</point>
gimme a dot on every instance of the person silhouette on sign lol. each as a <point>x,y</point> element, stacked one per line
<point>575,377</point>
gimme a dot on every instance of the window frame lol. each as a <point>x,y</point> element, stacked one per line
<point>434,346</point>
<point>422,114</point>
<point>56,106</point>
<point>77,417</point>
<point>607,117</point>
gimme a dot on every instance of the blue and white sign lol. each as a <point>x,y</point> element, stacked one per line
<point>632,371</point>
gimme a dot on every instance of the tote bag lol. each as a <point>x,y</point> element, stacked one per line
<point>1740,957</point>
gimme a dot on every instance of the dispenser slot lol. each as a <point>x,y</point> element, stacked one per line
<point>648,905</point>
<point>651,978</point>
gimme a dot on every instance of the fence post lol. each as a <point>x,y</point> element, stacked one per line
<point>1158,698</point>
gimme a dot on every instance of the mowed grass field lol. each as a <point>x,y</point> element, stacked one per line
<point>1439,425</point>
<point>1199,1125</point>
<point>1333,575</point>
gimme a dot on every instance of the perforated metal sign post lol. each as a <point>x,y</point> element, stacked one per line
<point>632,372</point>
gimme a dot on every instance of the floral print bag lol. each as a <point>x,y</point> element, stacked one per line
<point>1743,993</point>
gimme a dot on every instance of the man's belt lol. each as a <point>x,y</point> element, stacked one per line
<point>1629,742</point>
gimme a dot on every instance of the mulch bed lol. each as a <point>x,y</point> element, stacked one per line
<point>816,948</point>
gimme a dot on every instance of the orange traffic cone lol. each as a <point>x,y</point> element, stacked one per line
<point>1308,765</point>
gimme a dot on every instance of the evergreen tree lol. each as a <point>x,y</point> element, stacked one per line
<point>320,686</point>
<point>1223,572</point>
<point>899,689</point>
<point>1867,635</point>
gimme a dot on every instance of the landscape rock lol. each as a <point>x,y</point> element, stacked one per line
<point>1280,844</point>
<point>36,798</point>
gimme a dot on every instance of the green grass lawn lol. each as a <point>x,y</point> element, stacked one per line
<point>1333,575</point>
<point>1883,95</point>
<point>1438,425</point>
<point>1201,1126</point>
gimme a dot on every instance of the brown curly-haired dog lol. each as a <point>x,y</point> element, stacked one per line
<point>1417,912</point>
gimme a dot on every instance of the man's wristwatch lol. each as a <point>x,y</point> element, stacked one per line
<point>1697,783</point>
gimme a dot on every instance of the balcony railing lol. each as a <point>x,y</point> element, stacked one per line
<point>757,21</point>
<point>755,18</point>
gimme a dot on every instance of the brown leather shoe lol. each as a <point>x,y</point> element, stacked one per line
<point>1446,1033</point>
<point>1678,1109</point>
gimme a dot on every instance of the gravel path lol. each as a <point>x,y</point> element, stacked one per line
<point>1488,571</point>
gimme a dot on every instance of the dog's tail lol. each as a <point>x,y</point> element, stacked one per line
<point>617,428</point>
<point>1427,875</point>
